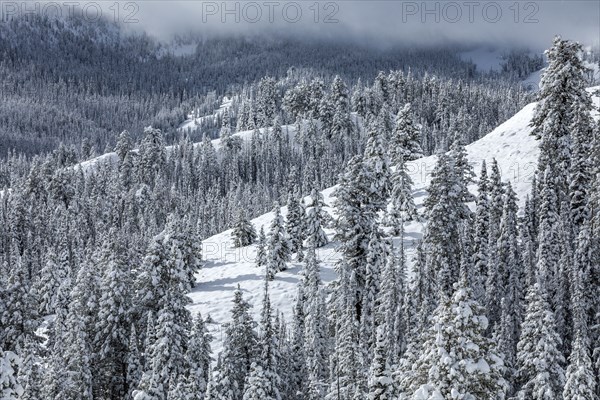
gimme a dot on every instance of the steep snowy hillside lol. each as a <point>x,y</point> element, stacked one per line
<point>227,267</point>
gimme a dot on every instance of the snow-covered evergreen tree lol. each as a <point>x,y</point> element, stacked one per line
<point>563,110</point>
<point>261,249</point>
<point>269,356</point>
<point>378,251</point>
<point>239,352</point>
<point>403,206</point>
<point>134,361</point>
<point>315,340</point>
<point>481,236</point>
<point>278,249</point>
<point>243,232</point>
<point>258,385</point>
<point>294,223</point>
<point>354,225</point>
<point>347,371</point>
<point>458,360</point>
<point>405,138</point>
<point>198,359</point>
<point>444,209</point>
<point>380,381</point>
<point>463,172</point>
<point>540,363</point>
<point>316,219</point>
<point>10,388</point>
<point>376,173</point>
<point>113,323</point>
<point>31,372</point>
<point>580,382</point>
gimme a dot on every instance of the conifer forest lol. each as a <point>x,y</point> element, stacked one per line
<point>287,212</point>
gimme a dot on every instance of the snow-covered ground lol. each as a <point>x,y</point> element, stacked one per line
<point>193,122</point>
<point>226,267</point>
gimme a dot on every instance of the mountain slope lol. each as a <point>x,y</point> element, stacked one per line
<point>227,267</point>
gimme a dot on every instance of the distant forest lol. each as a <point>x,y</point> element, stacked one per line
<point>72,82</point>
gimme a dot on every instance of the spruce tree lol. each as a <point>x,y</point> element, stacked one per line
<point>458,360</point>
<point>243,232</point>
<point>443,208</point>
<point>31,372</point>
<point>239,352</point>
<point>261,249</point>
<point>380,381</point>
<point>113,324</point>
<point>464,174</point>
<point>258,385</point>
<point>315,340</point>
<point>563,108</point>
<point>354,225</point>
<point>496,198</point>
<point>294,223</point>
<point>269,357</point>
<point>540,363</point>
<point>134,361</point>
<point>548,252</point>
<point>403,206</point>
<point>376,258</point>
<point>405,138</point>
<point>298,375</point>
<point>346,360</point>
<point>580,382</point>
<point>481,236</point>
<point>198,359</point>
<point>278,249</point>
<point>376,173</point>
<point>316,219</point>
<point>10,388</point>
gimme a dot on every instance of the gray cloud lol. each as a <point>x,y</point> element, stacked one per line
<point>502,22</point>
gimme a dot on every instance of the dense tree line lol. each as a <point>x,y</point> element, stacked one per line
<point>496,306</point>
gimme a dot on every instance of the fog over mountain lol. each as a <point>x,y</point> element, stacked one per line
<point>501,23</point>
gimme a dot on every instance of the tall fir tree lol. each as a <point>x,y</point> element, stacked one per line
<point>405,138</point>
<point>540,363</point>
<point>563,106</point>
<point>481,235</point>
<point>294,223</point>
<point>403,206</point>
<point>278,250</point>
<point>443,208</point>
<point>458,360</point>
<point>316,219</point>
<point>243,232</point>
<point>315,339</point>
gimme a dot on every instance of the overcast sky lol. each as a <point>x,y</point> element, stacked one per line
<point>501,23</point>
<point>529,23</point>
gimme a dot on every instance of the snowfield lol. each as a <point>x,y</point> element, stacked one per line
<point>226,267</point>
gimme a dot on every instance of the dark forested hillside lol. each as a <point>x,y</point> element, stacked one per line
<point>66,80</point>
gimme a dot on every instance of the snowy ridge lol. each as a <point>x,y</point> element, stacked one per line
<point>111,158</point>
<point>226,267</point>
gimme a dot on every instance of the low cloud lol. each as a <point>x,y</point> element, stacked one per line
<point>381,23</point>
